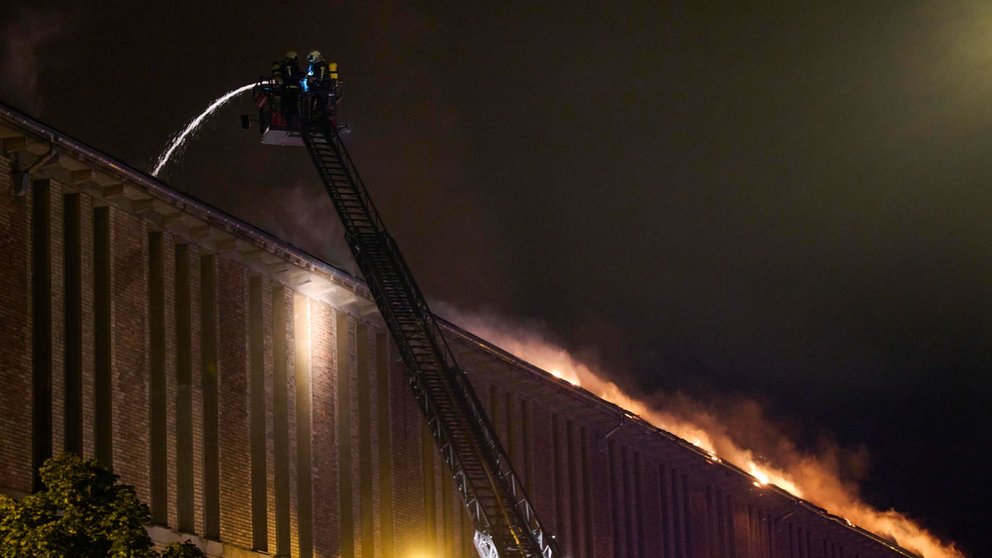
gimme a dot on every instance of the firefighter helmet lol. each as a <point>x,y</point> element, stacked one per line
<point>291,55</point>
<point>314,56</point>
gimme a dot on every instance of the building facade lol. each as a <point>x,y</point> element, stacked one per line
<point>252,396</point>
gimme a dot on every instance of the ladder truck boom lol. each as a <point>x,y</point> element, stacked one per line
<point>505,522</point>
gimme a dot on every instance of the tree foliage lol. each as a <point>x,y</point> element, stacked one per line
<point>81,511</point>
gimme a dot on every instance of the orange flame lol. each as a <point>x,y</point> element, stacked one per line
<point>815,478</point>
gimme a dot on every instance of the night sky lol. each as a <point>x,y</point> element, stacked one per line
<point>790,205</point>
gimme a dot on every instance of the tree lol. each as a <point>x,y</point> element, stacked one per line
<point>81,511</point>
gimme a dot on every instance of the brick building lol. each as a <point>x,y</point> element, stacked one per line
<point>252,396</point>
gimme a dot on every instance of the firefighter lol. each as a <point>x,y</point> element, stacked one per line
<point>272,114</point>
<point>318,74</point>
<point>318,80</point>
<point>334,81</point>
<point>289,82</point>
<point>334,92</point>
<point>290,69</point>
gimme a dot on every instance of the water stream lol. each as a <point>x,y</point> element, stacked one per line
<point>194,124</point>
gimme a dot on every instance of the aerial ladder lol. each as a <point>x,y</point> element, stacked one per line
<point>505,522</point>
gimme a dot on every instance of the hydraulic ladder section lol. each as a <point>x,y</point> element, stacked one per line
<point>505,522</point>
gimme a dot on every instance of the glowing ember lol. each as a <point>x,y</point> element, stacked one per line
<point>812,477</point>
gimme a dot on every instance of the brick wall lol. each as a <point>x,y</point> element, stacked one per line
<point>57,301</point>
<point>326,494</point>
<point>349,466</point>
<point>408,481</point>
<point>129,238</point>
<point>15,327</point>
<point>86,316</point>
<point>235,474</point>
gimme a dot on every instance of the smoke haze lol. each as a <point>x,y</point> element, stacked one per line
<point>21,65</point>
<point>734,429</point>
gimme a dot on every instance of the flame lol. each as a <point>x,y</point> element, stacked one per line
<point>813,477</point>
<point>561,375</point>
<point>757,473</point>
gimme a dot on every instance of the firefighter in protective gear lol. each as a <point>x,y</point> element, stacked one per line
<point>318,81</point>
<point>318,74</point>
<point>290,69</point>
<point>334,92</point>
<point>275,100</point>
<point>334,83</point>
<point>286,76</point>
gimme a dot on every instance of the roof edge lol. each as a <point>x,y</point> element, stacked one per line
<point>184,202</point>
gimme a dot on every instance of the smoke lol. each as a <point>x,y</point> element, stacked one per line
<point>303,216</point>
<point>26,31</point>
<point>732,429</point>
